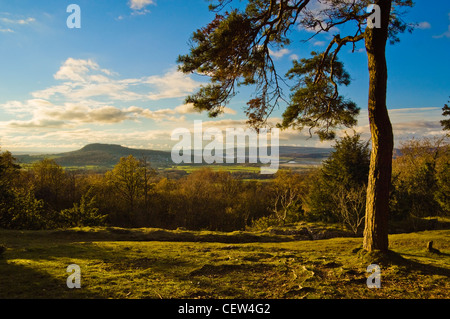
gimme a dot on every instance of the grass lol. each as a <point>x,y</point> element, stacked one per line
<point>151,263</point>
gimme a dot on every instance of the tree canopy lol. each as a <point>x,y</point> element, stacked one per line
<point>236,49</point>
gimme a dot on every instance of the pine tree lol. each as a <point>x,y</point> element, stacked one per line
<point>446,112</point>
<point>235,50</point>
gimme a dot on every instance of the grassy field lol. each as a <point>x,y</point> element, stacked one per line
<point>152,263</point>
<point>227,168</point>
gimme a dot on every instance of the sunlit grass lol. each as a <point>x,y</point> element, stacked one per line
<point>34,266</point>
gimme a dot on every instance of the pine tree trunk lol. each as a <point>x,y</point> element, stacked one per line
<point>377,204</point>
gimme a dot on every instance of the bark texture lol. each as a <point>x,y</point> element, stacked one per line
<point>377,204</point>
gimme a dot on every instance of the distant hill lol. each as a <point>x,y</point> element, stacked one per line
<point>103,155</point>
<point>304,152</point>
<point>107,155</point>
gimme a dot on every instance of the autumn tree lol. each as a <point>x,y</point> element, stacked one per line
<point>421,177</point>
<point>147,174</point>
<point>19,209</point>
<point>8,174</point>
<point>236,49</point>
<point>127,178</point>
<point>49,180</point>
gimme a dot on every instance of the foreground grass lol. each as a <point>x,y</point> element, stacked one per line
<point>119,263</point>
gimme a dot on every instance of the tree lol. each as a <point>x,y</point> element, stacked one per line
<point>333,195</point>
<point>19,209</point>
<point>236,49</point>
<point>128,178</point>
<point>148,173</point>
<point>421,175</point>
<point>446,112</point>
<point>348,164</point>
<point>350,205</point>
<point>287,189</point>
<point>9,172</point>
<point>49,181</point>
<point>26,212</point>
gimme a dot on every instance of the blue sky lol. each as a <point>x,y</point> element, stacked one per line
<point>114,80</point>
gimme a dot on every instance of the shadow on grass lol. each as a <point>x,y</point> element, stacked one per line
<point>391,258</point>
<point>23,282</point>
<point>104,270</point>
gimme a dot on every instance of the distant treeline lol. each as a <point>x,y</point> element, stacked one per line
<point>133,194</point>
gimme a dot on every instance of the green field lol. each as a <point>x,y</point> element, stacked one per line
<point>239,168</point>
<point>227,168</point>
<point>154,263</point>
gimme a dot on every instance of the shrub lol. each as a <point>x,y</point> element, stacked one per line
<point>25,212</point>
<point>83,214</point>
<point>264,223</point>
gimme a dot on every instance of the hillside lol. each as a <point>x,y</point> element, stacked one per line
<point>102,155</point>
<point>107,155</point>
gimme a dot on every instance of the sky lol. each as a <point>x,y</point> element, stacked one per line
<point>115,80</point>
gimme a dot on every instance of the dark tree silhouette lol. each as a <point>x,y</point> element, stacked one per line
<point>446,112</point>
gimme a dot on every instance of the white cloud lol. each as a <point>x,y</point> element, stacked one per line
<point>45,114</point>
<point>186,109</point>
<point>17,21</point>
<point>139,7</point>
<point>443,35</point>
<point>78,70</point>
<point>19,108</point>
<point>407,123</point>
<point>139,4</point>
<point>36,123</point>
<point>446,34</point>
<point>280,53</point>
<point>9,21</point>
<point>227,110</point>
<point>90,95</point>
<point>85,79</point>
<point>68,139</point>
<point>170,85</point>
<point>56,126</point>
<point>424,25</point>
<point>40,113</point>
